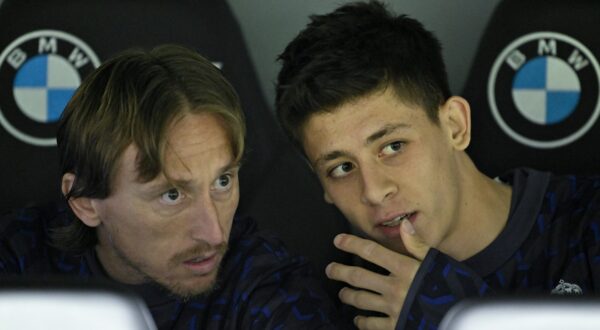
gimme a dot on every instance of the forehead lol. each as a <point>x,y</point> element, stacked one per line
<point>193,143</point>
<point>195,133</point>
<point>358,119</point>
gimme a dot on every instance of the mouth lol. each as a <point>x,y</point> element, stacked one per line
<point>397,220</point>
<point>204,264</point>
<point>197,260</point>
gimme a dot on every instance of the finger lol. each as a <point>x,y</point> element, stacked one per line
<point>371,251</point>
<point>357,277</point>
<point>413,242</point>
<point>364,300</point>
<point>374,323</point>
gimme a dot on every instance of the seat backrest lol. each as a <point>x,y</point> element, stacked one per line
<point>73,38</point>
<point>48,46</point>
<point>534,88</point>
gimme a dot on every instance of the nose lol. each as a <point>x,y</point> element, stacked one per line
<point>377,185</point>
<point>206,224</point>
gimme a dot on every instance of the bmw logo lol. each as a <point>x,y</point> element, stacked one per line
<point>536,91</point>
<point>39,72</point>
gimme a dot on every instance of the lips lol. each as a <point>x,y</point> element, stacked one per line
<point>396,220</point>
<point>197,260</point>
<point>204,264</point>
<point>388,225</point>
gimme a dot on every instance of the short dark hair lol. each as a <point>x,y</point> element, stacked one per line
<point>357,49</point>
<point>132,99</point>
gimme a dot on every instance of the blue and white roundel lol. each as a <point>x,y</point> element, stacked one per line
<point>43,86</point>
<point>546,90</point>
<point>39,73</point>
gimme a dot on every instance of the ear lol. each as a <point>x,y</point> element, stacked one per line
<point>455,117</point>
<point>83,207</point>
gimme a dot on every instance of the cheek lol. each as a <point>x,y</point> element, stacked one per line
<point>138,222</point>
<point>346,197</point>
<point>334,193</point>
<point>230,205</point>
<point>117,216</point>
<point>235,196</point>
<point>226,211</point>
<point>226,214</point>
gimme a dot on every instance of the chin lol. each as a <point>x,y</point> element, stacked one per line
<point>192,288</point>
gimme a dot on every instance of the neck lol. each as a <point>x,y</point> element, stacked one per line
<point>482,214</point>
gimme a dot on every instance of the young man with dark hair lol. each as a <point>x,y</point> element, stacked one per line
<point>150,147</point>
<point>364,94</point>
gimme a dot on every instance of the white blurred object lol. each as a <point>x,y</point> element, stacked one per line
<point>25,309</point>
<point>527,314</point>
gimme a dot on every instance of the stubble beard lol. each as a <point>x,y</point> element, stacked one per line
<point>174,287</point>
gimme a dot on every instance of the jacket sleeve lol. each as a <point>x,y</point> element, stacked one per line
<point>439,284</point>
<point>270,288</point>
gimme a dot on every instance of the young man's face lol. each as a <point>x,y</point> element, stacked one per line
<point>380,161</point>
<point>173,235</point>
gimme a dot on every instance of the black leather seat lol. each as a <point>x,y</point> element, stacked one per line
<point>65,40</point>
<point>534,88</point>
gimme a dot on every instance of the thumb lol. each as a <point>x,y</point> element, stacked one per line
<point>413,243</point>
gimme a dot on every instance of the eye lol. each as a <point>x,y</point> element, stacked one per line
<point>223,183</point>
<point>392,148</point>
<point>341,170</point>
<point>172,197</point>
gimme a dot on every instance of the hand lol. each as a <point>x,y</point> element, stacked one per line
<point>386,293</point>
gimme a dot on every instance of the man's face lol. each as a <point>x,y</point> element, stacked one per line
<point>380,161</point>
<point>172,231</point>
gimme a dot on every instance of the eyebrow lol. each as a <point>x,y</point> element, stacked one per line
<point>329,156</point>
<point>384,131</point>
<point>165,183</point>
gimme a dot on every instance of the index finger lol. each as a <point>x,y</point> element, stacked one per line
<point>373,252</point>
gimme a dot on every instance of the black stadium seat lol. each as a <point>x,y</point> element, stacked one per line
<point>48,46</point>
<point>534,88</point>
